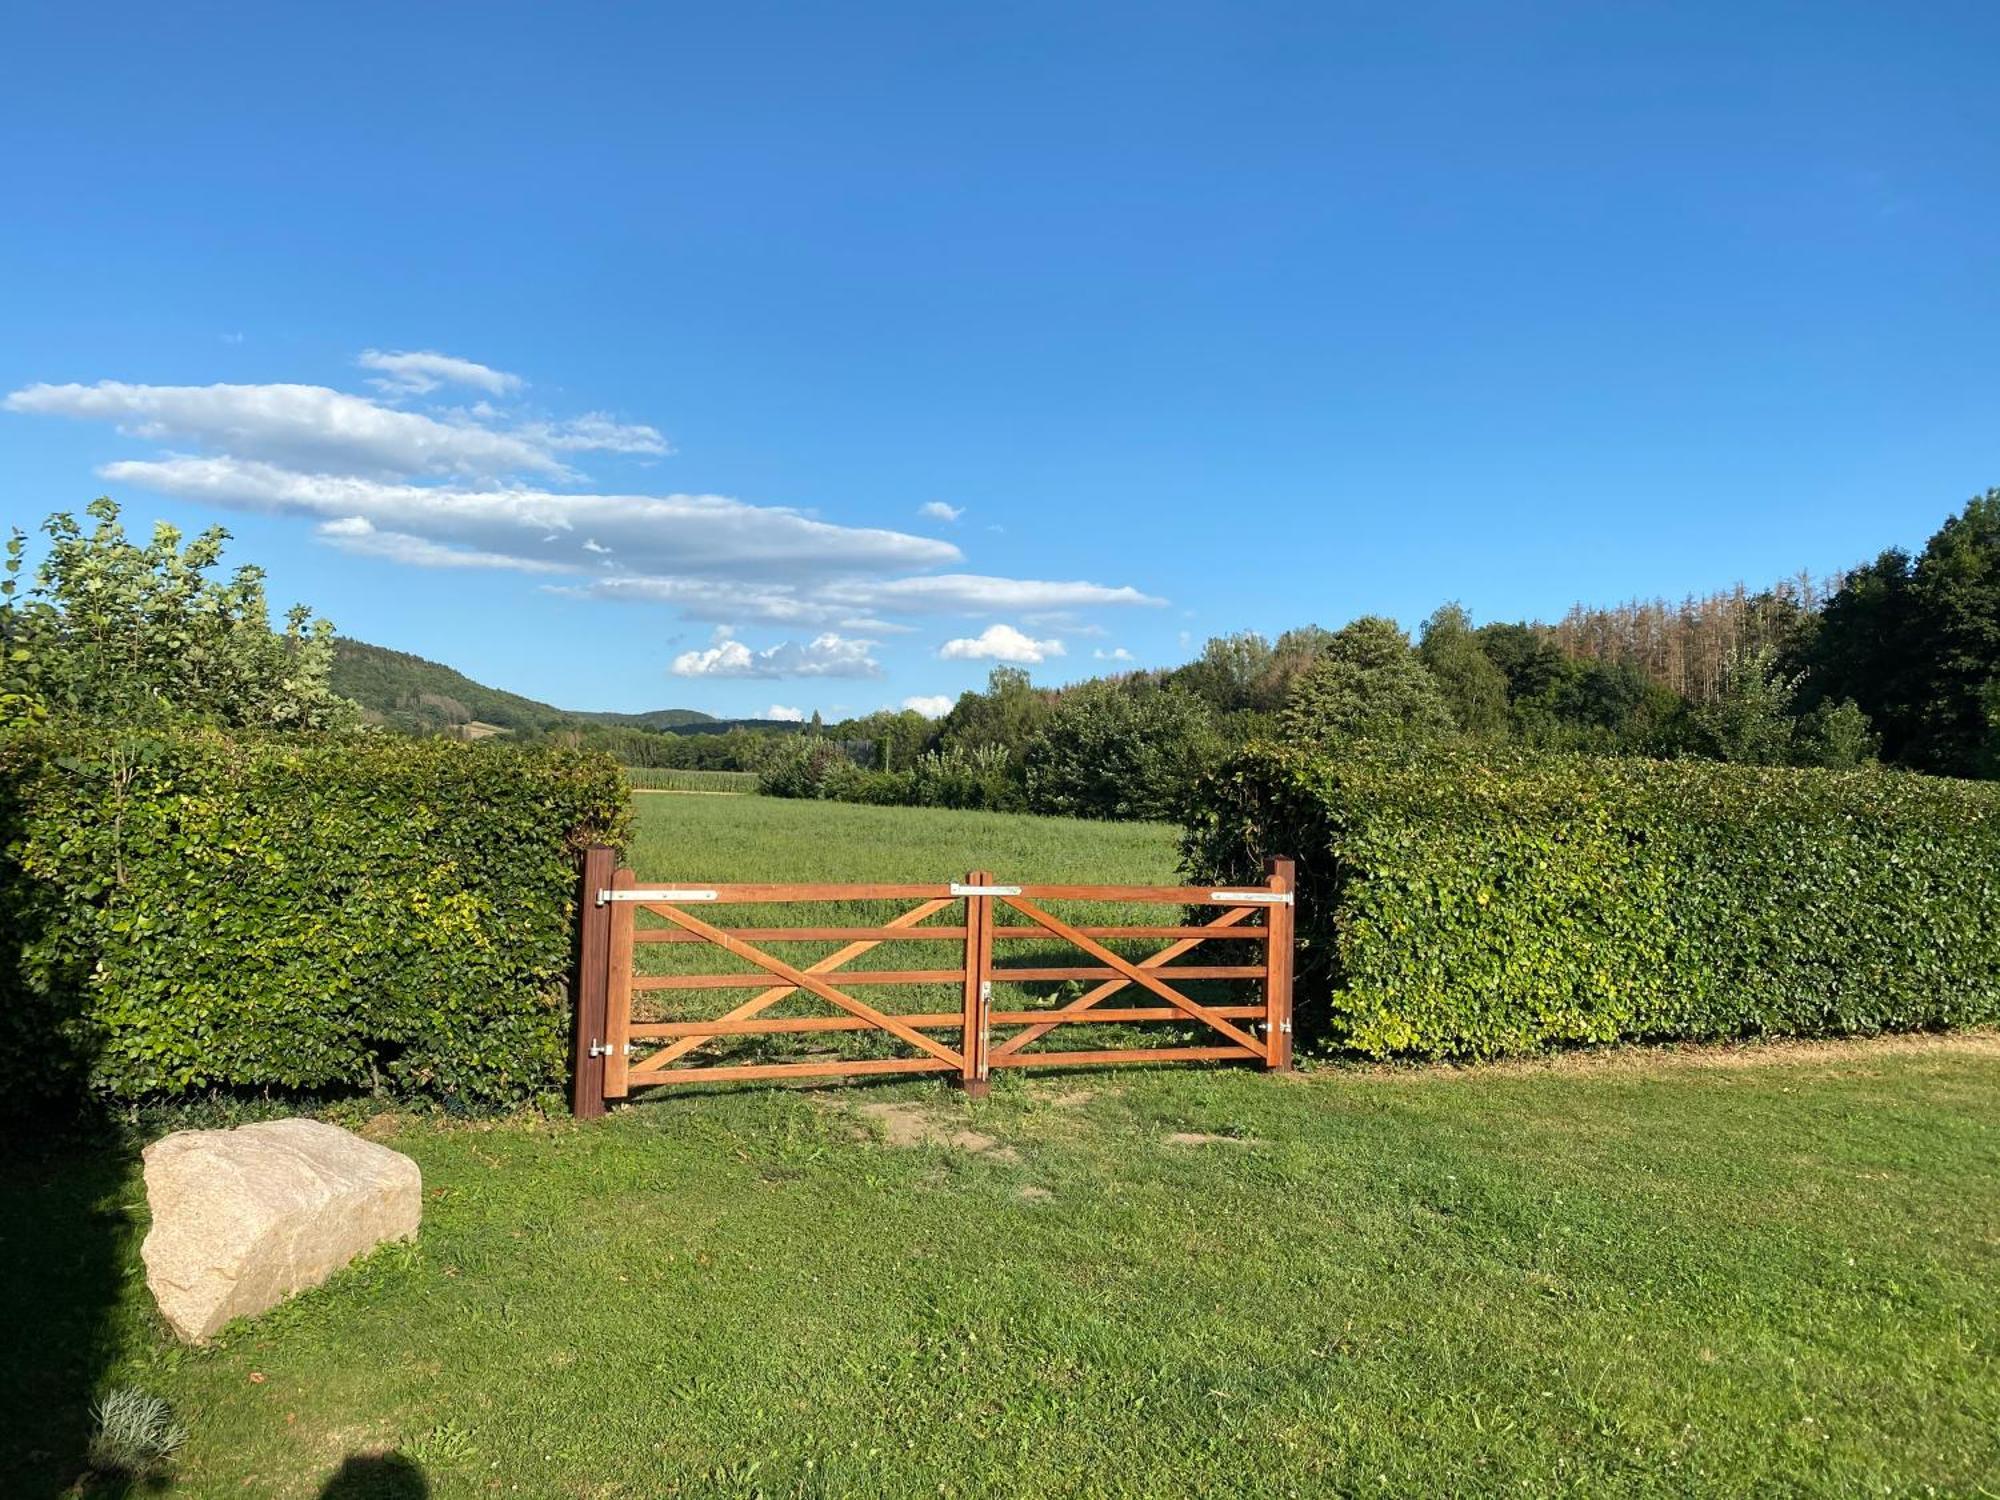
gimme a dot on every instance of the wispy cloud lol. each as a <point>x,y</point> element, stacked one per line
<point>307,427</point>
<point>410,480</point>
<point>937,510</point>
<point>356,534</point>
<point>828,655</point>
<point>419,372</point>
<point>1116,653</point>
<point>1001,643</point>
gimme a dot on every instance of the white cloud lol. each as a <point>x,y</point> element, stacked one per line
<point>478,486</point>
<point>785,715</point>
<point>828,655</point>
<point>421,371</point>
<point>691,534</point>
<point>297,426</point>
<point>933,706</point>
<point>595,432</point>
<point>1001,643</point>
<point>937,510</point>
<point>357,535</point>
<point>1116,653</point>
<point>973,593</point>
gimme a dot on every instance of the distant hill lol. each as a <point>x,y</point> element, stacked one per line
<point>659,718</point>
<point>425,697</point>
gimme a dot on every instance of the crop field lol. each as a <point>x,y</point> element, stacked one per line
<point>1761,1270</point>
<point>649,779</point>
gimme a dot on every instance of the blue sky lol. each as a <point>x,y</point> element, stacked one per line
<point>1178,319</point>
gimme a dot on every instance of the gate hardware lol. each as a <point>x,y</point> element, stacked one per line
<point>604,896</point>
<point>1253,898</point>
<point>984,890</point>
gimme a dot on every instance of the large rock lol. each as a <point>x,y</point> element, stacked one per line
<point>243,1218</point>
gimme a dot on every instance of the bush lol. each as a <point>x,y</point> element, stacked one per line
<point>1453,904</point>
<point>192,910</point>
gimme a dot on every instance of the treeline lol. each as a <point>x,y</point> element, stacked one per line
<point>1896,661</point>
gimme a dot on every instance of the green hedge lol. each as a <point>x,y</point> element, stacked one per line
<point>1460,906</point>
<point>191,910</point>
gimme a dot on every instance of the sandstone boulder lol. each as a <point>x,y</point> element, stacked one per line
<point>243,1218</point>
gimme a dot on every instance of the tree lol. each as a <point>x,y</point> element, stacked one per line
<point>1751,720</point>
<point>1231,672</point>
<point>1915,642</point>
<point>1474,689</point>
<point>1006,715</point>
<point>1110,750</point>
<point>1367,684</point>
<point>113,631</point>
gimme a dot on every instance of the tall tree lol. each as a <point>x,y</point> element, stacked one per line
<point>1474,688</point>
<point>1916,644</point>
<point>1368,684</point>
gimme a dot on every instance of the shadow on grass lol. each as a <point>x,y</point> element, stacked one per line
<point>63,1228</point>
<point>63,1237</point>
<point>377,1476</point>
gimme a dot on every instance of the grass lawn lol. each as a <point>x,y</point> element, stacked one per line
<point>1771,1271</point>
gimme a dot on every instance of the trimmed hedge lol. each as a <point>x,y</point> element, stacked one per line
<point>1454,905</point>
<point>192,910</point>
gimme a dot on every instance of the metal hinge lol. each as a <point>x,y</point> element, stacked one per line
<point>604,897</point>
<point>605,1049</point>
<point>1265,1026</point>
<point>984,890</point>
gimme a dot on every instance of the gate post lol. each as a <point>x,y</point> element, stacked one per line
<point>972,1036</point>
<point>1281,875</point>
<point>593,976</point>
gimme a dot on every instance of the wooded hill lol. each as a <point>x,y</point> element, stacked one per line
<point>419,696</point>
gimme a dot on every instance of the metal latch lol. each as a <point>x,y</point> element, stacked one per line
<point>608,895</point>
<point>1252,898</point>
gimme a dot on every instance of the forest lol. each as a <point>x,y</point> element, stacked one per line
<point>1894,662</point>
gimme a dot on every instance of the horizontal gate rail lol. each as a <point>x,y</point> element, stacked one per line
<point>609,1036</point>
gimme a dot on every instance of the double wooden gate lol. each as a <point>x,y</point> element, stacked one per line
<point>622,1046</point>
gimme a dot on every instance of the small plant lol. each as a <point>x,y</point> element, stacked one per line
<point>136,1434</point>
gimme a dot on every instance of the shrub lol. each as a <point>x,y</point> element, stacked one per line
<point>1457,904</point>
<point>191,910</point>
<point>136,1434</point>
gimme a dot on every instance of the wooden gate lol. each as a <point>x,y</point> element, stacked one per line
<point>619,1049</point>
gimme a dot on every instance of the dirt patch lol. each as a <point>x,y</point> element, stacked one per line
<point>1073,1098</point>
<point>1773,1053</point>
<point>1029,1193</point>
<point>1197,1138</point>
<point>906,1125</point>
<point>381,1126</point>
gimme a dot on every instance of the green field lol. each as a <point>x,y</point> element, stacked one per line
<point>1768,1271</point>
<point>691,840</point>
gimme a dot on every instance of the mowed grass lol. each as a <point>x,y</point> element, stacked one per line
<point>1645,1274</point>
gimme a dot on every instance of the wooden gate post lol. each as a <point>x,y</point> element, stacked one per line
<point>972,1037</point>
<point>1281,875</point>
<point>593,976</point>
